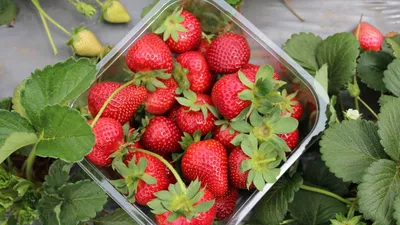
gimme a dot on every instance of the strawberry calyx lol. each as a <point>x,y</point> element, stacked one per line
<point>207,37</point>
<point>265,157</point>
<point>225,124</point>
<point>349,220</point>
<point>263,93</point>
<point>151,80</point>
<point>85,8</point>
<point>194,104</point>
<point>172,25</point>
<point>132,174</point>
<point>179,202</point>
<point>179,75</point>
<point>266,129</point>
<point>185,142</point>
<point>286,105</point>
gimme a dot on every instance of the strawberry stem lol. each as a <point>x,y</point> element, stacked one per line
<point>288,221</point>
<point>46,28</point>
<point>355,75</point>
<point>356,99</point>
<point>28,164</point>
<point>41,11</point>
<point>99,2</point>
<point>166,163</point>
<point>367,106</point>
<point>290,7</point>
<point>325,192</point>
<point>268,160</point>
<point>109,100</point>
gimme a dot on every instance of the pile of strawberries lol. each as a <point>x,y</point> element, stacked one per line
<point>198,107</point>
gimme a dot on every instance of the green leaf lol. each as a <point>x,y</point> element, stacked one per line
<point>118,217</point>
<point>392,77</point>
<point>301,47</point>
<point>333,117</point>
<point>8,11</point>
<point>348,148</point>
<point>313,208</point>
<point>396,207</point>
<point>394,46</point>
<point>47,215</point>
<point>317,173</point>
<point>388,128</point>
<point>65,134</point>
<point>11,126</point>
<point>285,125</point>
<point>57,84</point>
<point>380,185</point>
<point>384,99</point>
<point>371,66</point>
<point>81,201</point>
<point>57,177</point>
<point>273,206</point>
<point>6,103</point>
<point>322,76</point>
<point>340,52</point>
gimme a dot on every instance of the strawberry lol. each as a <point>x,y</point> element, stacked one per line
<point>114,12</point>
<point>236,177</point>
<point>225,134</point>
<point>149,53</point>
<point>196,113</point>
<point>162,99</point>
<point>204,46</point>
<point>161,136</point>
<point>228,53</point>
<point>181,31</point>
<point>202,218</point>
<point>122,106</point>
<point>85,43</point>
<point>255,163</point>
<point>173,112</point>
<point>199,76</point>
<point>291,106</point>
<point>255,69</point>
<point>369,36</point>
<point>207,161</point>
<point>226,203</point>
<point>109,137</point>
<point>291,139</point>
<point>143,175</point>
<point>225,94</point>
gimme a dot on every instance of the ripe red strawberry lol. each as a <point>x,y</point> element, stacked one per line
<point>181,31</point>
<point>292,139</point>
<point>226,203</point>
<point>292,106</point>
<point>255,69</point>
<point>237,178</point>
<point>204,218</point>
<point>161,136</point>
<point>204,46</point>
<point>173,112</point>
<point>225,94</point>
<point>161,100</point>
<point>225,137</point>
<point>122,106</point>
<point>369,36</point>
<point>155,168</point>
<point>207,161</point>
<point>190,119</point>
<point>228,53</point>
<point>149,53</point>
<point>109,137</point>
<point>199,76</point>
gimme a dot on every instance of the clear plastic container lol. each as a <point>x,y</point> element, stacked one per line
<point>264,51</point>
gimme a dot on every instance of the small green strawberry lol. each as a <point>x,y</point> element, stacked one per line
<point>85,43</point>
<point>114,12</point>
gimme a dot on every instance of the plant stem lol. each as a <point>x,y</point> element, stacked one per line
<point>290,7</point>
<point>355,99</point>
<point>287,221</point>
<point>350,214</point>
<point>325,192</point>
<point>367,106</point>
<point>46,28</point>
<point>99,2</point>
<point>41,11</point>
<point>109,100</point>
<point>266,160</point>
<point>28,164</point>
<point>170,167</point>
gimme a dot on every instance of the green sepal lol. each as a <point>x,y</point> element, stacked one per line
<point>190,100</point>
<point>172,26</point>
<point>151,80</point>
<point>185,142</point>
<point>245,80</point>
<point>241,126</point>
<point>179,75</point>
